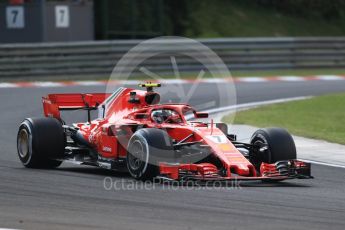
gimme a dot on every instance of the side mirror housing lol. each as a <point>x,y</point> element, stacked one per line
<point>200,115</point>
<point>141,116</point>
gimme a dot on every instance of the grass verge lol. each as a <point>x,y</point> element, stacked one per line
<point>320,117</point>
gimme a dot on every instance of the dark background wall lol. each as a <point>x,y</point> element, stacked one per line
<point>40,23</point>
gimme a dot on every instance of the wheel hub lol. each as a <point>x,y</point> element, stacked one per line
<point>23,143</point>
<point>136,156</point>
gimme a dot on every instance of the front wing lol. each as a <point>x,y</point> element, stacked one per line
<point>281,170</point>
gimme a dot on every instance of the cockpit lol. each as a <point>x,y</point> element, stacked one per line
<point>165,115</point>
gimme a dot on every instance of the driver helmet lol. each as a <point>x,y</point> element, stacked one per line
<point>159,116</point>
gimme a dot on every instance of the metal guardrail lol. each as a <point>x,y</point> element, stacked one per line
<point>100,57</point>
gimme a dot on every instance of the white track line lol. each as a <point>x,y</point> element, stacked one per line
<point>47,84</point>
<point>291,78</point>
<point>329,77</point>
<point>89,83</point>
<point>169,81</point>
<point>252,79</point>
<point>253,104</point>
<point>323,163</point>
<point>8,85</point>
<point>215,80</point>
<point>9,229</point>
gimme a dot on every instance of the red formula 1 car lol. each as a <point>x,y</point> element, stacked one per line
<point>151,140</point>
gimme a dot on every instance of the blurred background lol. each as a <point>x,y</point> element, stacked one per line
<point>83,39</point>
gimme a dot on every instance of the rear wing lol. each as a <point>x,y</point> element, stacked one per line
<point>54,103</point>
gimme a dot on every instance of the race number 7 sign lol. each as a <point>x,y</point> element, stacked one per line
<point>15,17</point>
<point>61,16</point>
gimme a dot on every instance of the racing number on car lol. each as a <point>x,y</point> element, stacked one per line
<point>61,16</point>
<point>217,139</point>
<point>15,17</point>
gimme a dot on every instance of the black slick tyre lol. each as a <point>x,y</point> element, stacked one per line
<point>146,149</point>
<point>276,144</point>
<point>41,142</point>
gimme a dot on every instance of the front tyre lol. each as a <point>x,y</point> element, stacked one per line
<point>272,145</point>
<point>146,149</point>
<point>40,141</point>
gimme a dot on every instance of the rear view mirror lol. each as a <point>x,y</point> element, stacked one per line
<point>141,116</point>
<point>200,115</point>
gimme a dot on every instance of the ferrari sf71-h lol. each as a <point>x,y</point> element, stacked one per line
<point>134,132</point>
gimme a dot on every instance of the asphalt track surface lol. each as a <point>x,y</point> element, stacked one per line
<point>74,197</point>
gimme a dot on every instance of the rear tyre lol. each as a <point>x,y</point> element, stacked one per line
<point>40,142</point>
<point>146,149</point>
<point>276,144</point>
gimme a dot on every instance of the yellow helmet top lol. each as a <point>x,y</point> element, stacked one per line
<point>149,86</point>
